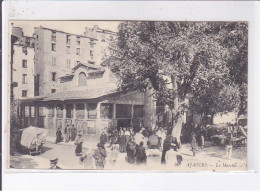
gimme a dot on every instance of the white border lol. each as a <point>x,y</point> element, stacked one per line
<point>114,10</point>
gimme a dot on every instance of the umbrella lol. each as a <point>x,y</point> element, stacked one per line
<point>29,135</point>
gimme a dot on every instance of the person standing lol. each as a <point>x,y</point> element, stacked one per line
<point>202,140</point>
<point>140,154</point>
<point>87,159</point>
<point>167,145</point>
<point>78,143</point>
<point>100,156</point>
<point>122,143</point>
<point>103,137</point>
<point>131,130</point>
<point>193,144</point>
<point>73,133</point>
<point>229,147</point>
<point>58,136</point>
<point>114,154</point>
<point>66,132</point>
<point>130,151</point>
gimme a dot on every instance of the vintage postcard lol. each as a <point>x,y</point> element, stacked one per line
<point>128,95</point>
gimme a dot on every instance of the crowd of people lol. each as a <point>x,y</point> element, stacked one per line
<point>135,144</point>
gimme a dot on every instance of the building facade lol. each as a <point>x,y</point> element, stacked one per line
<point>56,53</point>
<point>22,64</point>
<point>89,100</point>
<point>71,87</point>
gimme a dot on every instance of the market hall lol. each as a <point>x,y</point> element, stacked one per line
<point>91,107</point>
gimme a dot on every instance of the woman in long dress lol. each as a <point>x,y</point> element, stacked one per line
<point>79,142</point>
<point>130,151</point>
<point>122,144</point>
<point>58,136</point>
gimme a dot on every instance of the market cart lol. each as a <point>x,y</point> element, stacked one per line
<point>32,139</point>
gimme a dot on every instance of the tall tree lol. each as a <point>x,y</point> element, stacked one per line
<point>180,59</point>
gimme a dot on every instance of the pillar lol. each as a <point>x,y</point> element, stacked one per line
<point>29,118</point>
<point>55,117</point>
<point>36,114</point>
<point>64,115</point>
<point>86,110</point>
<point>132,114</point>
<point>74,117</point>
<point>114,111</point>
<point>98,110</point>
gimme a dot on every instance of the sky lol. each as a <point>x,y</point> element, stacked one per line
<point>74,27</point>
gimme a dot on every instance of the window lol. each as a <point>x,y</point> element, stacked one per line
<point>91,53</point>
<point>68,39</point>
<point>138,111</point>
<point>24,93</point>
<point>68,63</point>
<point>53,46</point>
<point>68,50</point>
<point>82,79</point>
<point>53,36</point>
<point>50,111</point>
<point>26,111</point>
<point>53,61</point>
<point>92,111</point>
<point>42,111</point>
<point>78,40</point>
<point>32,111</point>
<point>25,50</point>
<point>123,111</point>
<point>80,111</point>
<point>24,81</point>
<point>106,111</point>
<point>60,111</point>
<point>78,51</point>
<point>53,90</point>
<point>69,110</point>
<point>53,76</point>
<point>24,63</point>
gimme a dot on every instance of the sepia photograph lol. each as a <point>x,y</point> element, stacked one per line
<point>167,96</point>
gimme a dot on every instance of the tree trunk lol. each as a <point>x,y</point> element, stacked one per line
<point>211,119</point>
<point>177,122</point>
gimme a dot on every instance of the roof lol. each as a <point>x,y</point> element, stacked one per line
<point>75,94</point>
<point>86,65</point>
<point>67,33</point>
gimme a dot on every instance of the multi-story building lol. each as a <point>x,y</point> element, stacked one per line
<point>71,87</point>
<point>56,54</point>
<point>22,64</point>
<point>104,38</point>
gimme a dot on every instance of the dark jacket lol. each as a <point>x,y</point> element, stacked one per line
<point>103,138</point>
<point>140,155</point>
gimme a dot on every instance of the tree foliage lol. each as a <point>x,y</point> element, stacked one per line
<point>195,60</point>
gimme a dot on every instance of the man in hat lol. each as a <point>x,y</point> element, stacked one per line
<point>54,164</point>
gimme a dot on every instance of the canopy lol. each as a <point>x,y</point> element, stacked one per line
<point>29,135</point>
